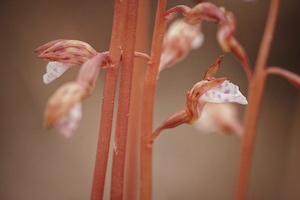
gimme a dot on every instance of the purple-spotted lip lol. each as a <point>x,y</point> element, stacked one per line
<point>224,93</point>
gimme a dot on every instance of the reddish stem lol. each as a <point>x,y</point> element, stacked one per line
<point>148,101</point>
<point>256,88</point>
<point>111,78</point>
<point>132,165</point>
<point>118,164</point>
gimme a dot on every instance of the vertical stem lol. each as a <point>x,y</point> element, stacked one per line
<point>132,165</point>
<point>110,83</point>
<point>118,164</point>
<point>148,101</point>
<point>256,88</point>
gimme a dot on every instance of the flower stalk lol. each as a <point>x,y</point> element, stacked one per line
<point>148,101</point>
<point>109,91</point>
<point>119,152</point>
<point>256,89</point>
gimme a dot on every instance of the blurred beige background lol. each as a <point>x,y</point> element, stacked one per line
<point>39,164</point>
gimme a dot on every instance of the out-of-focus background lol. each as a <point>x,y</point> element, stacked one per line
<point>40,164</point>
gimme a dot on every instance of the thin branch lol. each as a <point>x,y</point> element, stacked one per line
<point>256,88</point>
<point>292,77</point>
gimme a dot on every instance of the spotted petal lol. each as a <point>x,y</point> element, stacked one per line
<point>224,93</point>
<point>69,123</point>
<point>55,70</point>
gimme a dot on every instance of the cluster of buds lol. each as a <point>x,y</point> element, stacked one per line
<point>208,90</point>
<point>64,106</point>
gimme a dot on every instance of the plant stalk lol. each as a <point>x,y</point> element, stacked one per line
<point>109,91</point>
<point>132,165</point>
<point>256,89</point>
<point>148,101</point>
<point>119,152</point>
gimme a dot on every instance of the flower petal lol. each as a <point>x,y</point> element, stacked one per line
<point>198,41</point>
<point>178,42</point>
<point>67,51</point>
<point>226,92</point>
<point>69,123</point>
<point>222,118</point>
<point>54,70</point>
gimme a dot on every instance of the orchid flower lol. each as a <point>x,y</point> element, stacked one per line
<point>209,90</point>
<point>62,54</point>
<point>63,110</point>
<point>226,22</point>
<point>179,39</point>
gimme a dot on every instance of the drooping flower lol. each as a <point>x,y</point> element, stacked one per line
<point>179,39</point>
<point>62,54</point>
<point>209,90</point>
<point>63,110</point>
<point>226,22</point>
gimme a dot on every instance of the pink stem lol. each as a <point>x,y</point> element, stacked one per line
<point>118,163</point>
<point>132,165</point>
<point>111,78</point>
<point>148,101</point>
<point>256,88</point>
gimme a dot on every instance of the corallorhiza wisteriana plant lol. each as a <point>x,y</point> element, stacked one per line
<point>209,103</point>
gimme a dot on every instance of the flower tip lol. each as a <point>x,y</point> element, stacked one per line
<point>212,70</point>
<point>46,46</point>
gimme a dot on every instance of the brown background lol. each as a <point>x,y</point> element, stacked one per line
<point>39,164</point>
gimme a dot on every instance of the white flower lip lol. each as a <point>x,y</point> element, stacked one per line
<point>54,70</point>
<point>224,93</point>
